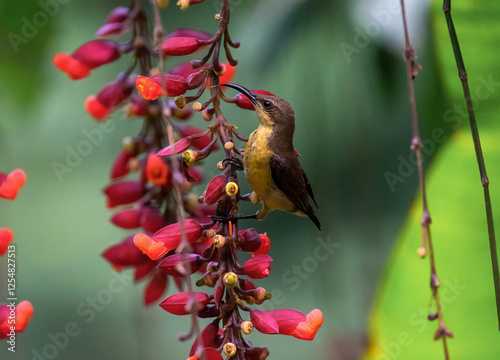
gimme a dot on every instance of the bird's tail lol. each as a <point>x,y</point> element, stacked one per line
<point>310,213</point>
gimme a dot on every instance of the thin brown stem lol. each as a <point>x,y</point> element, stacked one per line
<point>416,144</point>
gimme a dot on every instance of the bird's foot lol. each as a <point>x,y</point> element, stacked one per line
<point>228,218</point>
<point>237,163</point>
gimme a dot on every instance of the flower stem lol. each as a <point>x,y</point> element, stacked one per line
<point>462,73</point>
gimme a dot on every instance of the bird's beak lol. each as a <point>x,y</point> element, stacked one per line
<point>242,90</point>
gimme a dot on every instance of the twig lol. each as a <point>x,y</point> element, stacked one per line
<point>416,144</point>
<point>462,73</point>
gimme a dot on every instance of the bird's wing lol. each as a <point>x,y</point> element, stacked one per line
<point>287,176</point>
<point>291,180</point>
<point>309,189</point>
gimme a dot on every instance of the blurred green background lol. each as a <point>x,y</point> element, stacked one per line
<point>345,78</point>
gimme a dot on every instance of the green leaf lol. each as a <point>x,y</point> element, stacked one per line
<point>399,326</point>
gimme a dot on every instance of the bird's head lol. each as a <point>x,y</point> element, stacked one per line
<point>272,111</point>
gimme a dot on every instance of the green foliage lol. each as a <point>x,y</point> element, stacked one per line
<point>400,328</point>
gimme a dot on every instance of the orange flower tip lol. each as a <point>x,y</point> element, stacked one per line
<point>153,249</point>
<point>24,312</point>
<point>156,170</point>
<point>143,242</point>
<point>192,358</point>
<point>95,108</point>
<point>61,61</point>
<point>148,88</point>
<point>307,330</point>
<point>74,68</point>
<point>12,183</point>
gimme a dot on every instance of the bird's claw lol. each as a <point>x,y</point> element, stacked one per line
<point>237,163</point>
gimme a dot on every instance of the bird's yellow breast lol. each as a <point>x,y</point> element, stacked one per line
<point>256,162</point>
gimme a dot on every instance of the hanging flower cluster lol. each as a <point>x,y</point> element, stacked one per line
<point>183,234</point>
<point>13,317</point>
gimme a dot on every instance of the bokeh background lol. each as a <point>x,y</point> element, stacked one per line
<point>340,66</point>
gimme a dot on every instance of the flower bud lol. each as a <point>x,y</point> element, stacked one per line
<point>229,349</point>
<point>258,267</point>
<point>179,46</point>
<point>249,240</point>
<point>247,327</point>
<point>206,115</point>
<point>176,304</point>
<point>214,189</point>
<point>229,145</point>
<point>189,157</point>
<point>231,188</point>
<point>211,233</point>
<point>230,279</point>
<point>221,165</point>
<point>421,252</point>
<point>197,106</point>
<point>128,144</point>
<point>219,241</point>
<point>183,4</point>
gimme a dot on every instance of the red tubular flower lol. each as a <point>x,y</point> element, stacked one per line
<point>174,85</point>
<point>176,304</point>
<point>120,166</point>
<point>243,102</point>
<point>11,183</point>
<point>249,240</point>
<point>174,149</point>
<point>152,88</point>
<point>156,170</point>
<point>215,189</point>
<point>179,46</point>
<point>171,235</point>
<point>182,32</point>
<point>110,96</point>
<point>209,354</point>
<point>289,322</point>
<point>138,106</point>
<point>264,322</point>
<point>87,57</point>
<point>185,70</point>
<point>152,220</point>
<point>258,267</point>
<point>208,338</point>
<point>199,142</point>
<point>128,219</point>
<point>95,108</point>
<point>24,311</point>
<point>156,288</point>
<point>264,247</point>
<point>126,192</point>
<point>115,22</point>
<point>124,254</point>
<point>190,263</point>
<point>6,236</point>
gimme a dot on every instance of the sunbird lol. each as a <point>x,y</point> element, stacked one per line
<point>270,161</point>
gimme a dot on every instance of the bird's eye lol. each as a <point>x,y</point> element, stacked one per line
<point>267,104</point>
